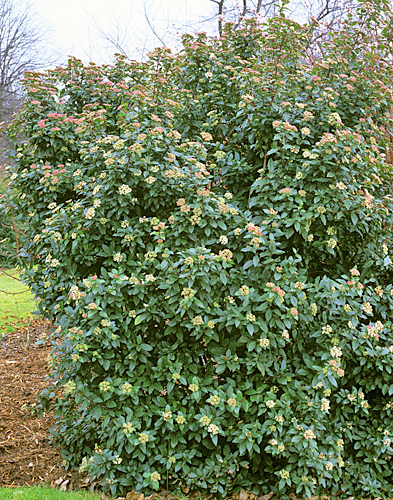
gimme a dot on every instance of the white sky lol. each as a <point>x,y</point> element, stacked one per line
<point>75,24</point>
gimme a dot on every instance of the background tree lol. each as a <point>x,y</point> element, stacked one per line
<point>123,36</point>
<point>22,48</point>
<point>328,13</point>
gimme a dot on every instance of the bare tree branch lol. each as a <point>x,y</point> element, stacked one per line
<point>117,35</point>
<point>328,16</point>
<point>233,11</point>
<point>122,33</point>
<point>151,26</point>
<point>22,48</point>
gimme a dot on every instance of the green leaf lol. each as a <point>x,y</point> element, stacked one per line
<point>139,319</point>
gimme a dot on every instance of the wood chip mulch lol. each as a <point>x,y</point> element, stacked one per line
<point>26,457</point>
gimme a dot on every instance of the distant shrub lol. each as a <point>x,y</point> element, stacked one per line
<point>211,232</point>
<point>11,233</point>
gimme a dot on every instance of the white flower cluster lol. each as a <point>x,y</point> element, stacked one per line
<point>118,257</point>
<point>90,213</point>
<point>213,429</point>
<point>336,352</point>
<point>327,330</point>
<point>325,405</point>
<point>75,294</point>
<point>309,434</point>
<point>124,189</point>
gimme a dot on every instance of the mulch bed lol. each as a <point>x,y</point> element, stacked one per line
<point>26,457</point>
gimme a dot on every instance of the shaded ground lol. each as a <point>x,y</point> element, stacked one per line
<point>26,458</point>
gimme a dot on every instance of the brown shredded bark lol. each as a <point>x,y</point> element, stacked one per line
<point>26,456</point>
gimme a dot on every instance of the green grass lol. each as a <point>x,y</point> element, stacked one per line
<point>16,301</point>
<point>38,493</point>
<point>45,493</point>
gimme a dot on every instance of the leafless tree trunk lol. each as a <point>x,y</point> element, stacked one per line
<point>235,10</point>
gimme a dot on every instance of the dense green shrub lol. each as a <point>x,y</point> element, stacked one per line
<point>11,233</point>
<point>211,233</point>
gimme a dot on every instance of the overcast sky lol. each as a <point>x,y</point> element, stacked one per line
<point>76,24</point>
<point>79,27</point>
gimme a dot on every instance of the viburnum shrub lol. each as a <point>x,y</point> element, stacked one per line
<point>11,234</point>
<point>211,235</point>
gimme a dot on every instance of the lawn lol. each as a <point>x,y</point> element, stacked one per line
<point>38,493</point>
<point>16,301</point>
